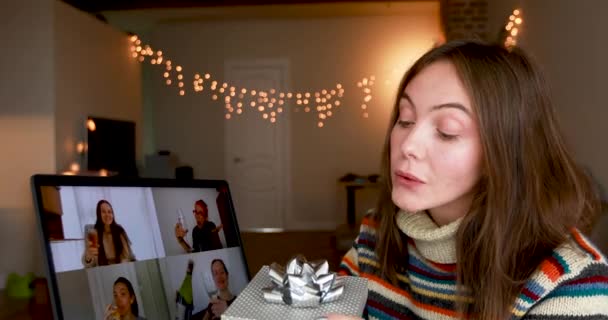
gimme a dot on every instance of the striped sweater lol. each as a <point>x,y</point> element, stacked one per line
<point>571,284</point>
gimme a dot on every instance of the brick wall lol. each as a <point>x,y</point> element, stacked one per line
<point>465,19</point>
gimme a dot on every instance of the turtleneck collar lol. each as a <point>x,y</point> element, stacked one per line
<point>435,243</point>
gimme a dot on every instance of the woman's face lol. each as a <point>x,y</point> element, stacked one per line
<point>219,276</point>
<point>200,213</point>
<point>122,298</point>
<point>435,146</point>
<point>107,214</point>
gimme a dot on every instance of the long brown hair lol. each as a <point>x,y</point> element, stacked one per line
<point>531,191</point>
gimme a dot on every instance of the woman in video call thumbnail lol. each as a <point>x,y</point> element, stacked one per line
<point>222,298</point>
<point>114,247</point>
<point>125,305</point>
<point>205,235</point>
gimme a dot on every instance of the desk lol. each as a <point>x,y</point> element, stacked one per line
<point>351,187</point>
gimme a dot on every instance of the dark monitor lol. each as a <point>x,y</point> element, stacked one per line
<point>174,244</point>
<point>111,146</point>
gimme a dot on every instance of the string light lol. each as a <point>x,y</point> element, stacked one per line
<point>273,98</point>
<point>513,27</point>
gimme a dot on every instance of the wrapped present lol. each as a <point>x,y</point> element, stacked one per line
<point>300,290</point>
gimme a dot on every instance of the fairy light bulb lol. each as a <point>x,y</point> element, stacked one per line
<point>243,91</point>
<point>253,92</point>
<point>138,48</point>
<point>367,98</point>
<point>166,74</point>
<point>289,95</point>
<point>103,173</point>
<point>180,84</point>
<point>363,106</point>
<point>339,86</point>
<point>279,109</point>
<point>261,108</point>
<point>228,116</point>
<point>207,76</point>
<point>329,113</point>
<point>281,102</point>
<point>182,92</point>
<point>178,68</point>
<point>305,101</point>
<point>141,59</point>
<point>239,111</point>
<point>307,95</point>
<point>134,55</point>
<point>80,147</point>
<point>323,92</point>
<point>307,109</point>
<point>168,82</point>
<point>516,12</point>
<point>299,96</point>
<point>252,104</point>
<point>214,97</point>
<point>514,32</point>
<point>272,91</point>
<point>320,124</point>
<point>333,92</point>
<point>74,167</point>
<point>281,95</point>
<point>91,125</point>
<point>337,103</point>
<point>365,115</point>
<point>133,38</point>
<point>273,120</point>
<point>299,102</point>
<point>265,116</point>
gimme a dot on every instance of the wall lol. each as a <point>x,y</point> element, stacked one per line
<point>322,52</point>
<point>95,75</point>
<point>26,126</point>
<point>573,56</point>
<point>58,65</point>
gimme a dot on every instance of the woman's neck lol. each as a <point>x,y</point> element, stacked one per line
<point>106,228</point>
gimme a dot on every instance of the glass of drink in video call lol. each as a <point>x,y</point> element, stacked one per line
<point>209,285</point>
<point>92,236</point>
<point>180,222</point>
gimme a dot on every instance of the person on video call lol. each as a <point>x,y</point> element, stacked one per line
<point>109,243</point>
<point>125,302</point>
<point>205,235</point>
<point>223,298</point>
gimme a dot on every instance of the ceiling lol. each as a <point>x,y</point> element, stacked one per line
<point>139,16</point>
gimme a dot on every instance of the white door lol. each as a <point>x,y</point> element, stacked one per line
<point>256,150</point>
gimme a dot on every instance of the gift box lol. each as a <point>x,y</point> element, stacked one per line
<point>251,305</point>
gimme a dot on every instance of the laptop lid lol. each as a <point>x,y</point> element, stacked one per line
<point>154,248</point>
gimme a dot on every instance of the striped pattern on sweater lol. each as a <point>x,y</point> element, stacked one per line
<point>571,284</point>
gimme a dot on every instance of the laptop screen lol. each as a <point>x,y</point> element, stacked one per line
<point>147,248</point>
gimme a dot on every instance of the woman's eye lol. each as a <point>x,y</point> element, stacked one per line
<point>405,123</point>
<point>446,137</point>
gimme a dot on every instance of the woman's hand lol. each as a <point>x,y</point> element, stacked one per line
<point>91,251</point>
<point>218,306</point>
<point>180,232</point>
<point>111,313</point>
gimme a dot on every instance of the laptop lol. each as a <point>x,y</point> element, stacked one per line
<point>154,248</point>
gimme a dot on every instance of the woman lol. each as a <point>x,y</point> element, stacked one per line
<point>115,246</point>
<point>205,235</point>
<point>125,302</point>
<point>483,203</point>
<point>224,298</point>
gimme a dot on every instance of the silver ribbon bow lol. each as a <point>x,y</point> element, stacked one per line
<point>303,284</point>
